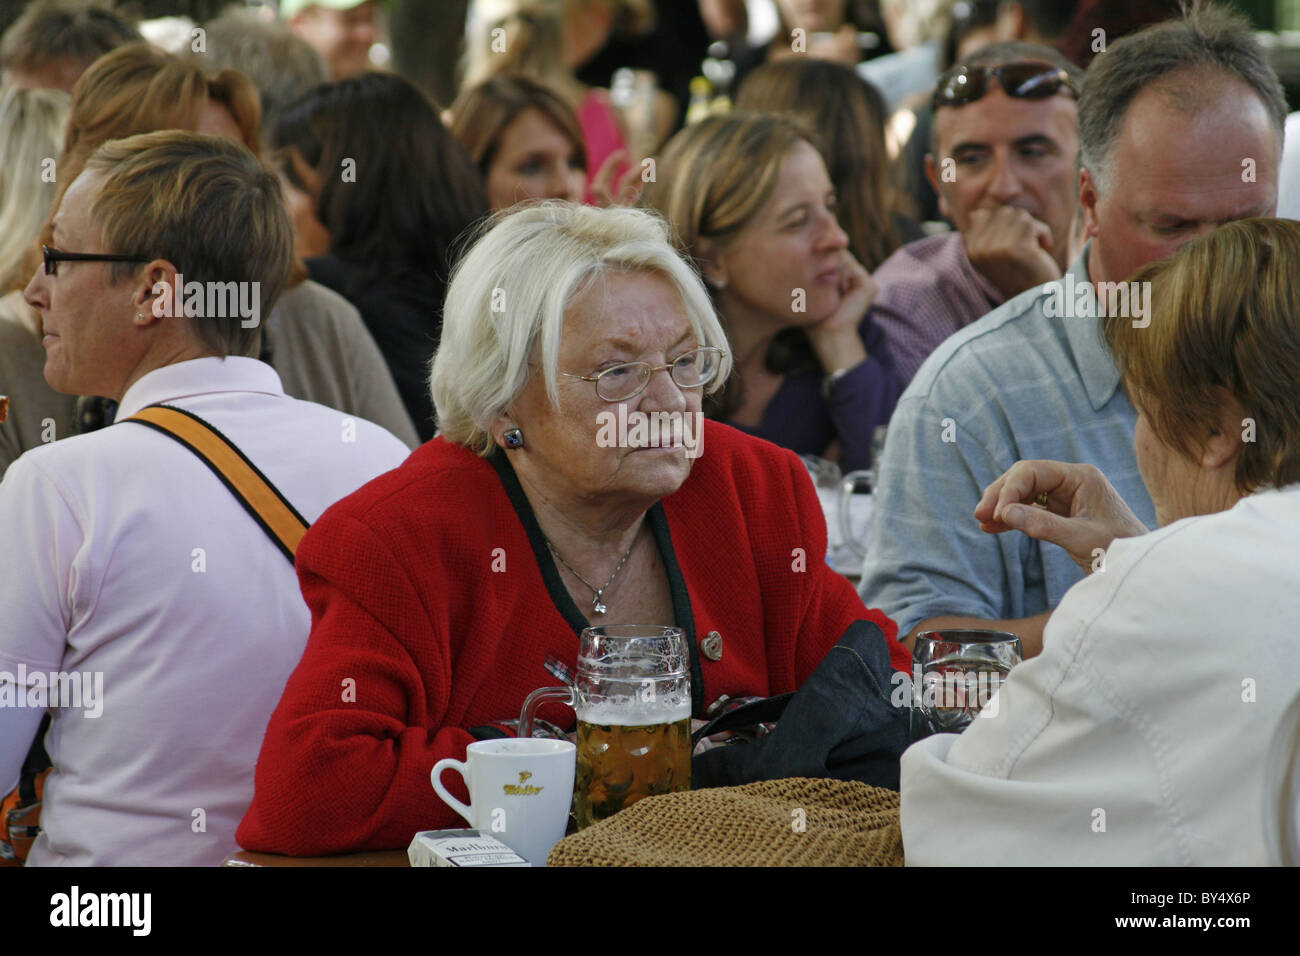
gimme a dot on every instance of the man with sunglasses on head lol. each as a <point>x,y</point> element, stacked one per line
<point>1181,129</point>
<point>1004,145</point>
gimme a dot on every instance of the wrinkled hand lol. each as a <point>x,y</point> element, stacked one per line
<point>1011,249</point>
<point>606,192</point>
<point>1083,511</point>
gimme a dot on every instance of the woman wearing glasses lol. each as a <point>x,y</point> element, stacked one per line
<point>753,207</point>
<point>447,590</point>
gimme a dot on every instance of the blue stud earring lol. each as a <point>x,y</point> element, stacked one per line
<point>514,438</point>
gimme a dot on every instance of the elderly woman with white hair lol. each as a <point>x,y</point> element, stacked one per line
<point>446,591</point>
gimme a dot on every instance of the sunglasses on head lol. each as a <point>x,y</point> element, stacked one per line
<point>1024,81</point>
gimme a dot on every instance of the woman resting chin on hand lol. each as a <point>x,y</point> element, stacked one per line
<point>752,205</point>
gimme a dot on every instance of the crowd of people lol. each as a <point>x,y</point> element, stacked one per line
<point>309,378</point>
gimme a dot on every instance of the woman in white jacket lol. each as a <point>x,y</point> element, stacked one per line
<point>1140,734</point>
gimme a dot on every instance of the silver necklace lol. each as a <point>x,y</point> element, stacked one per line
<point>597,605</point>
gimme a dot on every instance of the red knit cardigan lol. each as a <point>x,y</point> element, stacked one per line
<point>435,606</point>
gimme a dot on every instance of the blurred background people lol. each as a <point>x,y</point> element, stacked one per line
<point>1098,23</point>
<point>394,190</point>
<point>54,41</point>
<point>752,206</point>
<point>283,67</point>
<point>281,64</point>
<point>977,23</point>
<point>342,31</point>
<point>31,135</point>
<point>524,139</point>
<point>313,338</point>
<point>673,47</point>
<point>545,40</point>
<point>820,29</point>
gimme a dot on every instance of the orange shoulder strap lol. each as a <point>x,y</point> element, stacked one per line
<point>260,498</point>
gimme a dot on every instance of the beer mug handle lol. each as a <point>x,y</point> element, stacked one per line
<point>534,700</point>
<point>462,768</point>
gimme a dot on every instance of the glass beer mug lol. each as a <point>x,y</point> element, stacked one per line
<point>632,695</point>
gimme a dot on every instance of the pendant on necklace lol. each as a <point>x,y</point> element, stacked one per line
<point>597,605</point>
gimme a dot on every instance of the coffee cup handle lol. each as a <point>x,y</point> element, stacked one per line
<point>462,768</point>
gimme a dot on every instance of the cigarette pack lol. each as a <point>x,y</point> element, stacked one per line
<point>461,848</point>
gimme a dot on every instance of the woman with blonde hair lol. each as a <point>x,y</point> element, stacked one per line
<point>753,207</point>
<point>847,115</point>
<point>31,131</point>
<point>313,338</point>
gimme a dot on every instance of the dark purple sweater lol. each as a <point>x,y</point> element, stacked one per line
<point>799,418</point>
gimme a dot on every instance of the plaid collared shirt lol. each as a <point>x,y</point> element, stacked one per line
<point>928,290</point>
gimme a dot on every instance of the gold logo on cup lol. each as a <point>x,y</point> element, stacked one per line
<point>519,789</point>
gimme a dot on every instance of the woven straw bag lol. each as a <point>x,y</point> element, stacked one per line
<point>797,821</point>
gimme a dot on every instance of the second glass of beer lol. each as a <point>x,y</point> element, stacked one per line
<point>632,695</point>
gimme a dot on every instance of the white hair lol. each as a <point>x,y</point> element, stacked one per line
<point>506,299</point>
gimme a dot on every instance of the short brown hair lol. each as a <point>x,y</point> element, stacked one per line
<point>206,205</point>
<point>50,30</point>
<point>137,89</point>
<point>1224,314</point>
<point>481,114</point>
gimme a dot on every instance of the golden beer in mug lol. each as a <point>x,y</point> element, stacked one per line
<point>619,763</point>
<point>632,697</point>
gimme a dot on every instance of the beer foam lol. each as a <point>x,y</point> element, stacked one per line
<point>617,714</point>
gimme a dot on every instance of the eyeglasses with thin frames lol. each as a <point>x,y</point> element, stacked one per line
<point>618,383</point>
<point>54,256</point>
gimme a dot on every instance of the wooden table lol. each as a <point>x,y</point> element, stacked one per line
<point>370,858</point>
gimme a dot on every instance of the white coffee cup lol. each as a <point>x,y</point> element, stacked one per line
<point>520,791</point>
